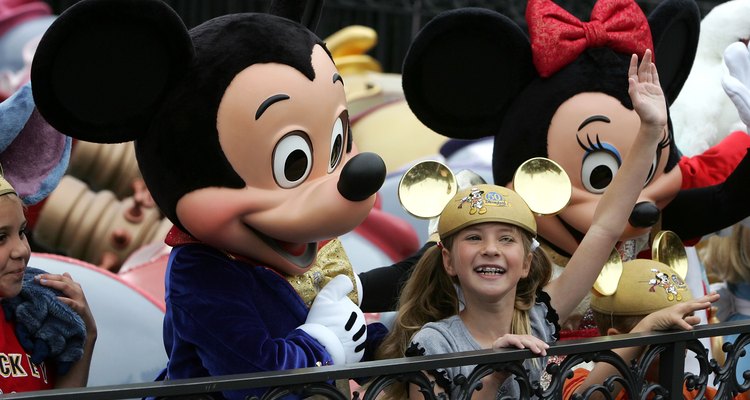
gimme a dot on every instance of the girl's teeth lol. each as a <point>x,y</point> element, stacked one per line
<point>493,271</point>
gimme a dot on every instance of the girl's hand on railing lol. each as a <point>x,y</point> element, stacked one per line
<point>536,345</point>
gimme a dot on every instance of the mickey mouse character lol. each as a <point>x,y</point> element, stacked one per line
<point>242,135</point>
<point>558,92</point>
<point>475,202</point>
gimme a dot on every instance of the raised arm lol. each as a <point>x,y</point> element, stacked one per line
<point>616,204</point>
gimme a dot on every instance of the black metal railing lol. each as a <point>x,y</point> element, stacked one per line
<point>670,348</point>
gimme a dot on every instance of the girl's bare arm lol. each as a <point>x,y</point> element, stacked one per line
<point>615,206</point>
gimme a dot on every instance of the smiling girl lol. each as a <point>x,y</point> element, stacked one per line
<point>488,250</point>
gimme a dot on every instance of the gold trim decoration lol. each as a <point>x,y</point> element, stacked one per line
<point>330,262</point>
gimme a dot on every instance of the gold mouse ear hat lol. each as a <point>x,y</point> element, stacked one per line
<point>5,186</point>
<point>429,189</point>
<point>645,286</point>
<point>485,203</point>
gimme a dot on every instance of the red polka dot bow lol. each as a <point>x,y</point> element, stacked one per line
<point>558,38</point>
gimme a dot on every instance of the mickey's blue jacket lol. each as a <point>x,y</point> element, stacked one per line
<point>225,316</point>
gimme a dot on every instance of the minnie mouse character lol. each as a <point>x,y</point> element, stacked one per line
<point>558,92</point>
<point>242,135</point>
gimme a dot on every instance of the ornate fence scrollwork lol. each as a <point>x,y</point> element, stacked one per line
<point>700,382</point>
<point>304,391</point>
<point>472,383</point>
<point>726,375</point>
<point>670,348</point>
<point>417,378</point>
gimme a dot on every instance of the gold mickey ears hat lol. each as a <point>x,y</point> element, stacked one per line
<point>645,286</point>
<point>485,203</point>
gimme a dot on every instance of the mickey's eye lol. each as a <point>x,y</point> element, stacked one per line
<point>599,167</point>
<point>292,160</point>
<point>338,137</point>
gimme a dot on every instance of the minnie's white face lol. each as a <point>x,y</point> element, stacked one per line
<point>287,138</point>
<point>14,246</point>
<point>589,136</point>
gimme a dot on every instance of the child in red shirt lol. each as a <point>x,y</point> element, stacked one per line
<point>36,305</point>
<point>17,372</point>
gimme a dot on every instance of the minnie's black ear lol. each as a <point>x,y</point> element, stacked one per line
<point>463,69</point>
<point>675,26</point>
<point>306,12</point>
<point>103,66</point>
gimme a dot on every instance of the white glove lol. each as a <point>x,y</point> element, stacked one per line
<point>337,323</point>
<point>735,83</point>
<point>360,291</point>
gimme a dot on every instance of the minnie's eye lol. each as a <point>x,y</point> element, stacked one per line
<point>598,169</point>
<point>340,128</point>
<point>292,160</point>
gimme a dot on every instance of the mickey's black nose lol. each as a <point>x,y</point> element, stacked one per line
<point>644,215</point>
<point>362,176</point>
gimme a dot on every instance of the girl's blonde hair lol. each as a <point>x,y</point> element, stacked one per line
<point>429,295</point>
<point>726,257</point>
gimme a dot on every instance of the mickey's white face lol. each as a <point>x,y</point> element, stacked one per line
<point>287,138</point>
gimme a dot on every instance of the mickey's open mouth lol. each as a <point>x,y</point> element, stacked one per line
<point>301,255</point>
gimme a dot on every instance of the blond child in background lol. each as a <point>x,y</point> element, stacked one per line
<point>727,263</point>
<point>650,296</point>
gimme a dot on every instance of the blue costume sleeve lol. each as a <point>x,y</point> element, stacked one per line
<point>375,334</point>
<point>226,317</point>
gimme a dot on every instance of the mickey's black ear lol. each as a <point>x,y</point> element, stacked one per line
<point>306,12</point>
<point>463,69</point>
<point>103,66</point>
<point>675,26</point>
